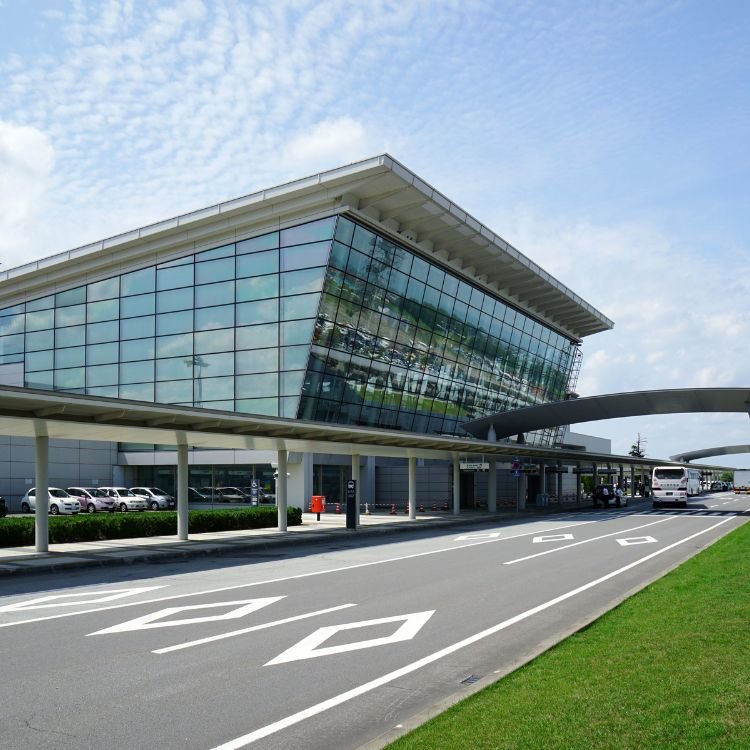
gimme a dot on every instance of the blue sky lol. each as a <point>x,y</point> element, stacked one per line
<point>607,141</point>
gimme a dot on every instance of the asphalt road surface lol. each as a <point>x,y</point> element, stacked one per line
<point>329,646</point>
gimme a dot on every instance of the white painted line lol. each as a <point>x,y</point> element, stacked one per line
<point>337,700</point>
<point>252,629</point>
<point>62,600</point>
<point>156,619</point>
<point>636,540</point>
<point>552,538</point>
<point>587,541</point>
<point>307,648</point>
<point>473,537</point>
<point>298,576</point>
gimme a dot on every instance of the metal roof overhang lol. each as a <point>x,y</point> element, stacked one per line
<point>380,191</point>
<point>30,413</point>
<point>611,406</point>
<point>726,450</point>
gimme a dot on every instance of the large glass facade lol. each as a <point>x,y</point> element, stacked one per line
<point>325,321</point>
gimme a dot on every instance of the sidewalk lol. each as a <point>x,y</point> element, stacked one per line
<point>17,560</point>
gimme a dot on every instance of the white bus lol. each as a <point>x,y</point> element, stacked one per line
<point>675,483</point>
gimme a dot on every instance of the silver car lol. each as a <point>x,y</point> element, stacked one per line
<point>93,499</point>
<point>155,497</point>
<point>60,502</point>
<point>124,499</point>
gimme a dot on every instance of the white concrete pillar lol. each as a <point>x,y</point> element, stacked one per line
<point>41,480</point>
<point>559,483</point>
<point>492,487</point>
<point>456,486</point>
<point>281,489</point>
<point>412,488</point>
<point>182,492</point>
<point>356,476</point>
<point>632,480</point>
<point>578,481</point>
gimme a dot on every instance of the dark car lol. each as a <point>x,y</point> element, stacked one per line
<point>3,508</point>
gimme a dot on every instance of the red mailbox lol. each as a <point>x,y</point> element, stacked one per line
<point>318,504</point>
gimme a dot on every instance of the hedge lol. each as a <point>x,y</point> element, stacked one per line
<point>17,532</point>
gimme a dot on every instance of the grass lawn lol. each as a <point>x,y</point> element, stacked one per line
<point>668,668</point>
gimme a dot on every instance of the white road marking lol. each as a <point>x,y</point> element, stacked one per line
<point>61,600</point>
<point>490,535</point>
<point>637,540</point>
<point>282,579</point>
<point>337,700</point>
<point>251,629</point>
<point>552,538</point>
<point>156,619</point>
<point>586,541</point>
<point>307,648</point>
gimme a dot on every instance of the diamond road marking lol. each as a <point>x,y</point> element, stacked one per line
<point>489,535</point>
<point>637,540</point>
<point>156,619</point>
<point>307,648</point>
<point>65,600</point>
<point>553,538</point>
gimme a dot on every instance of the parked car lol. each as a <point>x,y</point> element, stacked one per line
<point>226,495</point>
<point>124,499</point>
<point>155,498</point>
<point>92,499</point>
<point>3,508</point>
<point>60,502</point>
<point>197,496</point>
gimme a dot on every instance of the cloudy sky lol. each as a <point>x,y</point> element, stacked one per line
<point>609,142</point>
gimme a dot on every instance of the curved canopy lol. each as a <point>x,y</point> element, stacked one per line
<point>724,450</point>
<point>611,406</point>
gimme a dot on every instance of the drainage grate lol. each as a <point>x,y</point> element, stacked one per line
<point>471,679</point>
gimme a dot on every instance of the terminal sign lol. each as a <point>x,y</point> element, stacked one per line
<point>474,466</point>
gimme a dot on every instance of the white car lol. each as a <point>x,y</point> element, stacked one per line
<point>125,500</point>
<point>60,502</point>
<point>92,499</point>
<point>155,497</point>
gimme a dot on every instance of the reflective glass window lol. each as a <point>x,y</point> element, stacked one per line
<point>106,391</point>
<point>136,349</point>
<point>358,265</point>
<point>101,375</point>
<point>214,341</point>
<point>213,365</point>
<point>70,316</point>
<point>173,277</point>
<point>39,340</point>
<point>258,264</point>
<point>137,372</point>
<point>173,346</point>
<point>107,289</point>
<point>104,310</point>
<point>344,230</point>
<point>435,277</point>
<point>174,299</point>
<point>415,290</point>
<point>37,360</point>
<point>214,270</point>
<point>13,310</point>
<point>142,304</point>
<point>137,392</point>
<point>136,328</point>
<point>301,306</point>
<point>100,354</point>
<point>257,386</point>
<point>43,303</point>
<point>300,282</point>
<point>220,293</point>
<point>68,379</point>
<point>258,287</point>
<point>208,318</point>
<point>419,268</point>
<point>257,360</point>
<point>305,256</point>
<point>175,368</point>
<point>257,337</point>
<point>176,392</point>
<point>213,389</point>
<point>397,282</point>
<point>71,297</point>
<point>39,379</point>
<point>268,241</point>
<point>294,357</point>
<point>176,322</point>
<point>313,231</point>
<point>40,321</point>
<point>99,333</point>
<point>265,406</point>
<point>12,324</point>
<point>291,382</point>
<point>74,336</point>
<point>464,292</point>
<point>138,282</point>
<point>218,252</point>
<point>265,311</point>
<point>297,332</point>
<point>339,256</point>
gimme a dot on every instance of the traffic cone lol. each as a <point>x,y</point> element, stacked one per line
<point>338,507</point>
<point>406,509</point>
<point>421,508</point>
<point>393,509</point>
<point>434,506</point>
<point>445,506</point>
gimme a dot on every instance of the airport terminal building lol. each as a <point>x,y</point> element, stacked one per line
<point>359,296</point>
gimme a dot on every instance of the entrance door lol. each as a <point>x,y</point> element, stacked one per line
<point>467,499</point>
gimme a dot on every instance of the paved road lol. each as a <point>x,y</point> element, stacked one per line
<point>331,646</point>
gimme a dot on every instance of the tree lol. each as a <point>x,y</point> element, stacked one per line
<point>638,449</point>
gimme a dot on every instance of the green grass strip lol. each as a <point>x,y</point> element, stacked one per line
<point>668,668</point>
